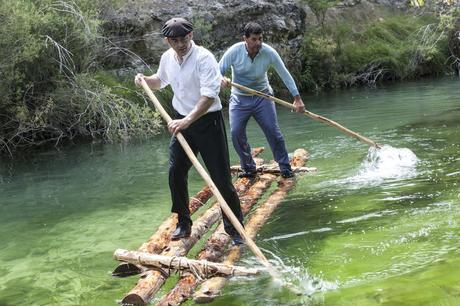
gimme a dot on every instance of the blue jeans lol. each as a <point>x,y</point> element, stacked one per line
<point>263,110</point>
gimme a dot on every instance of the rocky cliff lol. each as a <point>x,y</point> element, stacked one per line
<point>134,28</point>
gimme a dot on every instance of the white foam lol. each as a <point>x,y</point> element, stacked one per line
<point>367,216</point>
<point>281,237</point>
<point>387,163</point>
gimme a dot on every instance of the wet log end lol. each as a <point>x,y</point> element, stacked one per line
<point>133,300</point>
<point>208,293</point>
<point>126,269</point>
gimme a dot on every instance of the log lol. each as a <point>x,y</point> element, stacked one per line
<point>162,237</point>
<point>200,268</point>
<point>211,288</point>
<point>214,248</point>
<point>274,169</point>
<point>160,240</point>
<point>152,280</point>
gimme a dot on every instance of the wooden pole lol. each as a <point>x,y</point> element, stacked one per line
<point>224,206</point>
<point>201,268</point>
<point>307,113</point>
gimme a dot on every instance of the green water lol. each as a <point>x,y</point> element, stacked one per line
<point>352,234</point>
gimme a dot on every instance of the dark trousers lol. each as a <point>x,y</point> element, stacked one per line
<point>205,136</point>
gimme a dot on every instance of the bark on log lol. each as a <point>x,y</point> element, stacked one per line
<point>160,240</point>
<point>214,247</point>
<point>274,169</point>
<point>200,268</point>
<point>212,287</point>
<point>152,280</point>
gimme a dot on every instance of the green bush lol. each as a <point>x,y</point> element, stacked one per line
<point>51,89</point>
<point>396,47</point>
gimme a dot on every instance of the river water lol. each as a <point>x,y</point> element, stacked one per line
<point>369,228</point>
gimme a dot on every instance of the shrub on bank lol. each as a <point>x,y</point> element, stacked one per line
<point>392,48</point>
<point>49,54</point>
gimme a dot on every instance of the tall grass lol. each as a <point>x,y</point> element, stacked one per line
<point>391,48</point>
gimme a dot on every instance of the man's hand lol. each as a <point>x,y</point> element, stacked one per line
<point>138,78</point>
<point>152,81</point>
<point>175,126</point>
<point>298,104</point>
<point>224,82</point>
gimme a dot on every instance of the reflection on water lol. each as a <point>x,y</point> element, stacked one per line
<point>371,227</point>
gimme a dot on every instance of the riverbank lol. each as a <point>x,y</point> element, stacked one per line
<point>70,77</point>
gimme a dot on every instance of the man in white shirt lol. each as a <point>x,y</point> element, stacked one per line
<point>193,73</point>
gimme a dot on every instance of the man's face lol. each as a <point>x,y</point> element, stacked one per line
<point>181,44</point>
<point>253,43</point>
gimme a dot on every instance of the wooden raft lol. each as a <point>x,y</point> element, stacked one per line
<point>153,276</point>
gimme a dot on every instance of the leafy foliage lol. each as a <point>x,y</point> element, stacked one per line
<point>396,47</point>
<point>48,67</point>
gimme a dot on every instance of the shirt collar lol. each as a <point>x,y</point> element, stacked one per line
<point>247,53</point>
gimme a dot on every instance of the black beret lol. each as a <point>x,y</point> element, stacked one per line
<point>177,27</point>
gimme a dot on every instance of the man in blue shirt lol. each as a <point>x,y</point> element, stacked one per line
<point>250,60</point>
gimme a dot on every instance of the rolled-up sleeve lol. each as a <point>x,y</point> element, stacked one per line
<point>209,76</point>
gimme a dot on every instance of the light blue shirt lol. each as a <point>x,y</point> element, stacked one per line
<point>253,73</point>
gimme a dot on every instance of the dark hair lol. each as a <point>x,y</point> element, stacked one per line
<point>252,28</point>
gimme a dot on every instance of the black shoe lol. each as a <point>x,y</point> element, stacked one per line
<point>237,240</point>
<point>287,173</point>
<point>183,230</point>
<point>248,174</point>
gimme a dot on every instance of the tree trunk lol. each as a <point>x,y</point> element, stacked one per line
<point>200,268</point>
<point>211,288</point>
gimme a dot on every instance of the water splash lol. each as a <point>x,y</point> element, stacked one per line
<point>387,163</point>
<point>297,277</point>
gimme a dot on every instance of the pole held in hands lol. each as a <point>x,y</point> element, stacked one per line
<point>307,113</point>
<point>223,204</point>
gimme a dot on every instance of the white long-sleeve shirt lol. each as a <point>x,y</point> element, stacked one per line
<point>197,76</point>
